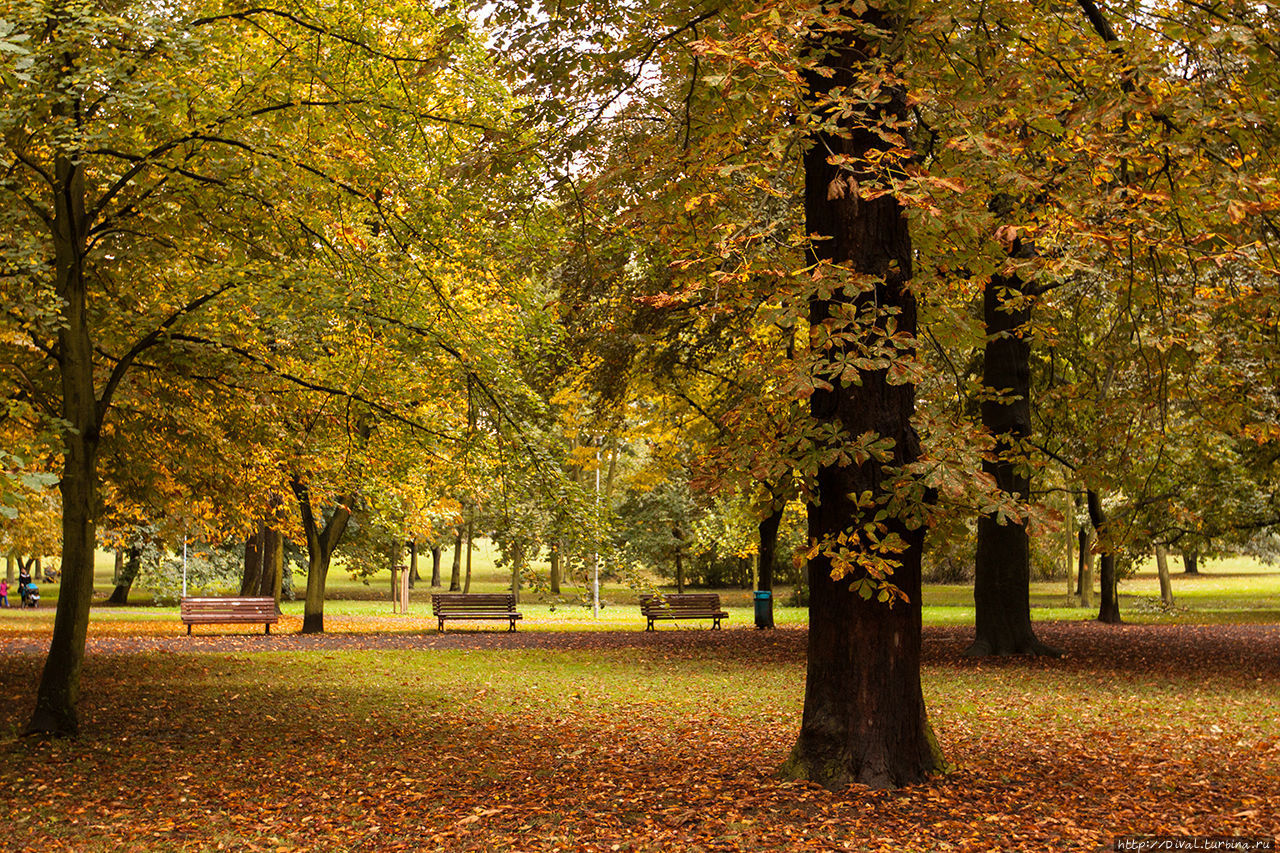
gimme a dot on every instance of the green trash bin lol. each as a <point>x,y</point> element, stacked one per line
<point>764,608</point>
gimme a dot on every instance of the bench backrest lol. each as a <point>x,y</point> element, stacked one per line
<point>251,607</point>
<point>473,602</point>
<point>688,602</point>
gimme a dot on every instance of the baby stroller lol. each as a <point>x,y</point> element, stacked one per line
<point>30,595</point>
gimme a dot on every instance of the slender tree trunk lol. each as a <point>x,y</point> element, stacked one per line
<point>1162,571</point>
<point>1086,568</point>
<point>767,530</point>
<point>1082,542</point>
<point>9,562</point>
<point>59,690</point>
<point>517,566</point>
<point>321,543</point>
<point>466,585</point>
<point>864,717</point>
<point>394,552</point>
<point>1109,601</point>
<point>679,556</point>
<point>435,566</point>
<point>118,567</point>
<point>455,575</point>
<point>555,568</point>
<point>128,574</point>
<point>1191,562</point>
<point>1002,572</point>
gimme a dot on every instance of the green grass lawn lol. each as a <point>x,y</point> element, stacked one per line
<point>1233,590</point>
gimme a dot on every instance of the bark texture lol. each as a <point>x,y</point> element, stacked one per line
<point>1109,599</point>
<point>59,690</point>
<point>455,573</point>
<point>864,715</point>
<point>321,542</point>
<point>768,536</point>
<point>129,569</point>
<point>1002,570</point>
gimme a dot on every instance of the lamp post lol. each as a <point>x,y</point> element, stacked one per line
<point>595,559</point>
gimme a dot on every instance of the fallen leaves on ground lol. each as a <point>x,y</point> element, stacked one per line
<point>370,742</point>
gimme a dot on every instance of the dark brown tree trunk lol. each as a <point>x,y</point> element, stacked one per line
<point>395,550</point>
<point>455,574</point>
<point>128,573</point>
<point>435,566</point>
<point>272,564</point>
<point>864,715</point>
<point>251,577</point>
<point>1191,562</point>
<point>1109,600</point>
<point>414,577</point>
<point>59,690</point>
<point>767,530</point>
<point>321,543</point>
<point>1002,568</point>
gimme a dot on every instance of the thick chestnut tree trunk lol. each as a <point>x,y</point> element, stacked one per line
<point>864,715</point>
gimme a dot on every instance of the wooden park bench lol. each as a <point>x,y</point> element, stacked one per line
<point>689,605</point>
<point>475,605</point>
<point>228,610</point>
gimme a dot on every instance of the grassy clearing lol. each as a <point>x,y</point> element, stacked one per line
<point>1229,591</point>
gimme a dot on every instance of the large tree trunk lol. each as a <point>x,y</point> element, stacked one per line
<point>864,715</point>
<point>435,566</point>
<point>1002,571</point>
<point>414,577</point>
<point>1109,600</point>
<point>128,574</point>
<point>321,543</point>
<point>59,689</point>
<point>1191,562</point>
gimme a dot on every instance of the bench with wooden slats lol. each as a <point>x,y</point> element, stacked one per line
<point>225,610</point>
<point>475,605</point>
<point>689,605</point>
